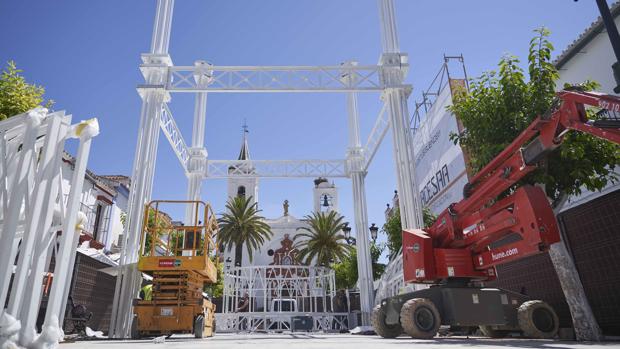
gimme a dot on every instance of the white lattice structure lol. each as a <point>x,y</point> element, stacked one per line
<point>312,288</point>
<point>162,79</point>
<point>32,212</point>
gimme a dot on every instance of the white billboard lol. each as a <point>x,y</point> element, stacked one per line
<point>439,163</point>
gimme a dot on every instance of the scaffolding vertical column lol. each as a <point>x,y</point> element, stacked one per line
<point>197,163</point>
<point>154,68</point>
<point>395,64</point>
<point>355,160</point>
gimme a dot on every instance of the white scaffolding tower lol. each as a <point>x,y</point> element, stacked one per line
<point>162,79</point>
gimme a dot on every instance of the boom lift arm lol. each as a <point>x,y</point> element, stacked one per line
<point>471,237</point>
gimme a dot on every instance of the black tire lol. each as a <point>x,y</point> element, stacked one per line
<point>489,331</point>
<point>538,320</point>
<point>381,328</point>
<point>420,318</point>
<point>135,334</point>
<point>199,326</point>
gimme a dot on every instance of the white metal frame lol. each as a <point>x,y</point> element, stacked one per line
<point>163,78</point>
<point>33,211</point>
<point>313,288</point>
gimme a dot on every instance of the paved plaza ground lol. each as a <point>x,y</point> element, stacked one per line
<point>330,341</point>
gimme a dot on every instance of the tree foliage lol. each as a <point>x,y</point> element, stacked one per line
<point>241,225</point>
<point>16,95</point>
<point>394,231</point>
<point>346,270</point>
<point>216,289</point>
<point>156,226</point>
<point>323,241</point>
<point>499,105</point>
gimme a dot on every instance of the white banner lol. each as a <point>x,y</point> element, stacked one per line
<point>440,165</point>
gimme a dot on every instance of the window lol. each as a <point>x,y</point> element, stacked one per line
<point>98,219</point>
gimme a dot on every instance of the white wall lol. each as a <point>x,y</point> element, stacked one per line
<point>592,62</point>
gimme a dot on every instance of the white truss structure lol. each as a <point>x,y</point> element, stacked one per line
<point>162,79</point>
<point>173,134</point>
<point>276,79</point>
<point>312,288</point>
<point>32,212</point>
<point>378,132</point>
<point>276,168</point>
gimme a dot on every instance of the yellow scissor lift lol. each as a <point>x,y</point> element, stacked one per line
<point>178,259</point>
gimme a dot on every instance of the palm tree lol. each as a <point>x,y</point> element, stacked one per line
<point>241,225</point>
<point>323,240</point>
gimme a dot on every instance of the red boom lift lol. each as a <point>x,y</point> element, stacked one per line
<point>470,238</point>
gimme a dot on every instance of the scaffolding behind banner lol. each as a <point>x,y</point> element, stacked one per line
<point>277,295</point>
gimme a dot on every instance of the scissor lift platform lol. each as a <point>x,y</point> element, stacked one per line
<point>178,257</point>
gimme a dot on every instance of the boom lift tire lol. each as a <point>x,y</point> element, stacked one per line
<point>381,328</point>
<point>199,326</point>
<point>538,320</point>
<point>420,318</point>
<point>489,331</point>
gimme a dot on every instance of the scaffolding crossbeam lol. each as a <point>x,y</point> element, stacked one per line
<point>276,79</point>
<point>174,136</point>
<point>276,168</point>
<point>379,130</point>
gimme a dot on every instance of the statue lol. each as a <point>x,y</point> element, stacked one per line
<point>285,205</point>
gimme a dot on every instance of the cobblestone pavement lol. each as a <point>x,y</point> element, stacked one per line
<point>329,341</point>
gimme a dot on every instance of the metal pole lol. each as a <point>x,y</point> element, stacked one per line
<point>196,168</point>
<point>355,158</point>
<point>153,99</point>
<point>614,37</point>
<point>395,63</point>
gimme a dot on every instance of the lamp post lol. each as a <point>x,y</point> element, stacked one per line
<point>374,230</point>
<point>347,233</point>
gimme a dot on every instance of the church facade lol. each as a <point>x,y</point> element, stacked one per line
<point>279,250</point>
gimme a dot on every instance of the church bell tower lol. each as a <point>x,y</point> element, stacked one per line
<point>325,195</point>
<point>241,182</point>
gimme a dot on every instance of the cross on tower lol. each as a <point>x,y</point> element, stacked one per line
<point>245,126</point>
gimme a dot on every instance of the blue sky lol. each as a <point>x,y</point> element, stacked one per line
<point>86,54</point>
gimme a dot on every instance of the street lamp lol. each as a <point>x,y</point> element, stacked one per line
<point>374,230</point>
<point>347,232</point>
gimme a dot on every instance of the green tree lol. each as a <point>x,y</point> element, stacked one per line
<point>346,270</point>
<point>394,230</point>
<point>16,95</point>
<point>498,106</point>
<point>241,225</point>
<point>216,289</point>
<point>156,227</point>
<point>323,241</point>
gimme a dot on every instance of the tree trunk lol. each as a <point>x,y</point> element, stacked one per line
<point>584,322</point>
<point>238,254</point>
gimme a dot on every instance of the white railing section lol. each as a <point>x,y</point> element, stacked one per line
<point>276,295</point>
